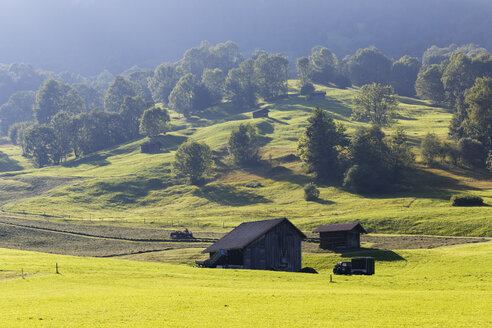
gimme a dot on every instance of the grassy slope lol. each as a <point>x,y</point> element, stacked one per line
<point>445,287</point>
<point>124,184</point>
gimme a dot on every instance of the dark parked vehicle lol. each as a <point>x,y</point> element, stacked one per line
<point>186,234</point>
<point>358,265</point>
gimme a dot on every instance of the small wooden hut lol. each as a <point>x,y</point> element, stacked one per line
<point>336,236</point>
<point>316,95</point>
<point>262,112</point>
<point>150,147</point>
<point>261,245</point>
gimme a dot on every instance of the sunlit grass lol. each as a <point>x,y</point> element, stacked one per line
<point>445,287</point>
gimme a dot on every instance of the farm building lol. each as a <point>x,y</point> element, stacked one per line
<point>150,147</point>
<point>261,245</point>
<point>344,235</point>
<point>262,112</point>
<point>317,95</point>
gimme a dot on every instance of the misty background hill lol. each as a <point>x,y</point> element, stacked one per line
<point>88,36</point>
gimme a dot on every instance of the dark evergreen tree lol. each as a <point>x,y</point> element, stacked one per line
<point>319,146</point>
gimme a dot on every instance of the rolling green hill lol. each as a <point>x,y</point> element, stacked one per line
<point>123,185</point>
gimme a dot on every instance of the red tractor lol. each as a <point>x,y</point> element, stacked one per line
<point>186,234</point>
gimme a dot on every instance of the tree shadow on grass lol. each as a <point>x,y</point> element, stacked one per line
<point>7,164</point>
<point>413,101</point>
<point>128,191</point>
<point>277,121</point>
<point>377,254</point>
<point>169,142</point>
<point>277,173</point>
<point>419,183</point>
<point>323,201</point>
<point>229,196</point>
<point>94,159</point>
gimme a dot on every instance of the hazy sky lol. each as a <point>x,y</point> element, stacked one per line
<point>90,35</point>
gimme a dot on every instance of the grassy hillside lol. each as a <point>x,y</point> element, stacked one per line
<point>444,287</point>
<point>122,184</point>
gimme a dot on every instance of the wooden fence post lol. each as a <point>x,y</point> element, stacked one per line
<point>57,272</point>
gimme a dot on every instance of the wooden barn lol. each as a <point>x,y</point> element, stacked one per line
<point>150,147</point>
<point>336,236</point>
<point>262,112</point>
<point>317,95</point>
<point>261,245</point>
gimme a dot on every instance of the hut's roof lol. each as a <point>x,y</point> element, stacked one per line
<point>341,227</point>
<point>261,110</point>
<point>246,233</point>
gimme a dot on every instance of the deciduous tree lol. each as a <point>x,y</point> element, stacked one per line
<point>375,103</point>
<point>193,160</point>
<point>154,121</point>
<point>243,144</point>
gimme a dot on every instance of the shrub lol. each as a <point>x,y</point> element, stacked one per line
<point>430,147</point>
<point>466,200</point>
<point>311,193</point>
<point>364,179</point>
<point>308,270</point>
<point>307,88</point>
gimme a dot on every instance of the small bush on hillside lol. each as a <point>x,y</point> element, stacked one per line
<point>363,179</point>
<point>308,270</point>
<point>307,88</point>
<point>466,200</point>
<point>311,193</point>
<point>430,147</point>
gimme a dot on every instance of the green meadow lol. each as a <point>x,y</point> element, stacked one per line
<point>443,287</point>
<point>123,185</point>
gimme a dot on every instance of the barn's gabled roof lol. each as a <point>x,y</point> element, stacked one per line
<point>341,227</point>
<point>246,233</point>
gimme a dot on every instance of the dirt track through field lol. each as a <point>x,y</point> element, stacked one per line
<point>106,232</point>
<point>115,241</point>
<point>58,239</point>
